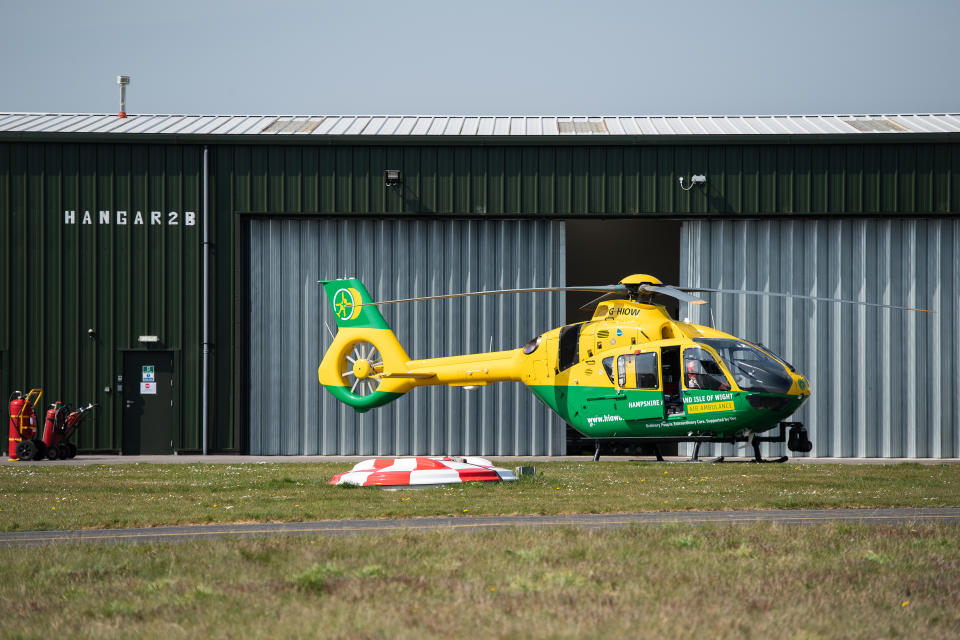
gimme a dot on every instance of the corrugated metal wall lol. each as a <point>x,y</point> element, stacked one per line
<point>290,413</point>
<point>885,383</point>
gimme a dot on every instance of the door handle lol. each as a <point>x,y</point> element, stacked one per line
<point>618,396</point>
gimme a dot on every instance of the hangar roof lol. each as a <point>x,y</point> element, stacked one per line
<point>410,126</point>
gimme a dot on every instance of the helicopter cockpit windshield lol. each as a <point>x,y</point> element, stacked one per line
<point>752,369</point>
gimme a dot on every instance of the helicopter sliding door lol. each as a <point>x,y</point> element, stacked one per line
<point>671,371</point>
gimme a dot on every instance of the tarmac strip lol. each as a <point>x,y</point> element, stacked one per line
<point>474,523</point>
<point>113,459</point>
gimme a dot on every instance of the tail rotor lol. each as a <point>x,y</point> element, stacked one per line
<point>361,366</point>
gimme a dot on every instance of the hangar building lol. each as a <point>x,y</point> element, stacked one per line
<point>166,266</point>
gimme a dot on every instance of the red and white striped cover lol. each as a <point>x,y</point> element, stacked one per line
<point>394,472</point>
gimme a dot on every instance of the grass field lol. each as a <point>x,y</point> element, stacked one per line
<point>820,581</point>
<point>37,497</point>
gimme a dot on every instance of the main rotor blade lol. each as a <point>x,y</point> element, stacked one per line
<point>666,290</point>
<point>673,292</point>
<point>593,303</point>
<point>802,297</point>
<point>598,288</point>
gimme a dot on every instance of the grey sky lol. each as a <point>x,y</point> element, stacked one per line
<point>489,57</point>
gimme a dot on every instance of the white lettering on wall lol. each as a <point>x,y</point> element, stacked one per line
<point>121,217</point>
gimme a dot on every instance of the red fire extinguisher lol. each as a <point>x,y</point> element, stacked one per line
<point>54,432</point>
<point>51,435</point>
<point>23,444</point>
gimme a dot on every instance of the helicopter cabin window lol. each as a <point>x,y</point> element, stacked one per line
<point>701,371</point>
<point>638,371</point>
<point>569,349</point>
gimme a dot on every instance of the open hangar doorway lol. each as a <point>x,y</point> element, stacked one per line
<point>604,252</point>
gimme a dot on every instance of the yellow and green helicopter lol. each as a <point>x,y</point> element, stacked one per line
<point>630,372</point>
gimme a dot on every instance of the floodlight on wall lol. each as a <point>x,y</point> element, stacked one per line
<point>694,181</point>
<point>123,81</point>
<point>391,177</point>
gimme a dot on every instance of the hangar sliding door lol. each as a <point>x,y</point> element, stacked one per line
<point>885,383</point>
<point>288,324</point>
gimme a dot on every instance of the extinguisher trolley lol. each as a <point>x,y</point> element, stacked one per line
<point>60,424</point>
<point>24,443</point>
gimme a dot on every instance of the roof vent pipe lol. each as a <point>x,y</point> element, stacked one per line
<point>123,81</point>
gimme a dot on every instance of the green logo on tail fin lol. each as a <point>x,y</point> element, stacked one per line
<point>344,304</point>
<point>351,304</point>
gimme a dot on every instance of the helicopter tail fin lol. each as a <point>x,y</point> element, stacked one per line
<point>364,366</point>
<point>352,305</point>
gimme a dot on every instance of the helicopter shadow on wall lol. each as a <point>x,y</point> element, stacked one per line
<point>715,202</point>
<point>410,200</point>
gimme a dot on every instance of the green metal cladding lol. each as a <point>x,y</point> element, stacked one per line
<point>70,267</point>
<point>62,278</point>
<point>567,181</point>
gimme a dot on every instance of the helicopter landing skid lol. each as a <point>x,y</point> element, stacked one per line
<point>696,454</point>
<point>756,455</point>
<point>758,458</point>
<point>798,442</point>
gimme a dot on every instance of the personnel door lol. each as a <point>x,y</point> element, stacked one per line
<point>148,408</point>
